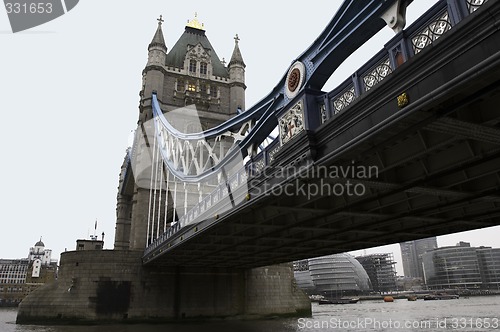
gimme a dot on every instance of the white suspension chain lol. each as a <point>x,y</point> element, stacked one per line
<point>157,151</point>
<point>151,189</point>
<point>159,200</point>
<point>166,202</point>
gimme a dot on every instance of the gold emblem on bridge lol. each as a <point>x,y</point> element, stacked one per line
<point>403,100</point>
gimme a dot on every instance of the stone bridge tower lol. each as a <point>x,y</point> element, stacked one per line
<point>192,75</point>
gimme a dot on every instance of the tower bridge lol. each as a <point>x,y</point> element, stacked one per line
<point>213,203</point>
<point>420,111</point>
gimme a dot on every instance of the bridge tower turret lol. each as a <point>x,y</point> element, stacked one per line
<point>237,78</point>
<point>153,75</point>
<point>135,206</point>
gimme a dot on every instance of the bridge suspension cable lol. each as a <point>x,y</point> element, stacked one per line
<point>218,160</point>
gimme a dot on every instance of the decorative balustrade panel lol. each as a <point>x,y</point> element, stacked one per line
<point>474,5</point>
<point>377,74</point>
<point>343,100</point>
<point>431,32</point>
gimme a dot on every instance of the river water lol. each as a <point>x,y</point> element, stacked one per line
<point>465,314</point>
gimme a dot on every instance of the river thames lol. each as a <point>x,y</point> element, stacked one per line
<point>464,314</point>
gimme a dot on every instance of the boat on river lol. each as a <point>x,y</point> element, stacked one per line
<point>338,301</point>
<point>441,296</point>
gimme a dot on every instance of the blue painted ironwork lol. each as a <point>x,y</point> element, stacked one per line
<point>422,33</point>
<point>353,24</point>
<point>255,136</point>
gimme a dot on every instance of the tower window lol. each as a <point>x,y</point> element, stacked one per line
<point>203,88</point>
<point>192,67</point>
<point>192,87</point>
<point>203,68</point>
<point>180,86</point>
<point>213,90</point>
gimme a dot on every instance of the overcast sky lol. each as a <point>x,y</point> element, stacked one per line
<point>69,99</point>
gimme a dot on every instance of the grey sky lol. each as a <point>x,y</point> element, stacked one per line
<point>69,99</point>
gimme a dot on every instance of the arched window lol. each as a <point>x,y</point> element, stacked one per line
<point>203,68</point>
<point>180,85</point>
<point>192,66</point>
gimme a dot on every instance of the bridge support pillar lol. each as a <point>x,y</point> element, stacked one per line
<point>113,286</point>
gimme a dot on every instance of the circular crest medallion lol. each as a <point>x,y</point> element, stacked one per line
<point>295,79</point>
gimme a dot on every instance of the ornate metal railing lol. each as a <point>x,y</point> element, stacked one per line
<point>344,99</point>
<point>377,74</point>
<point>431,32</point>
<point>473,5</point>
<point>436,22</point>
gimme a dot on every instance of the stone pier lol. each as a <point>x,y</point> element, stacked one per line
<point>113,286</point>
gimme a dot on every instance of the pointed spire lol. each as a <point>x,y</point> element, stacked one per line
<point>158,39</point>
<point>236,58</point>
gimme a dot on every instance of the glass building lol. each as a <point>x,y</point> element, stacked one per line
<point>411,254</point>
<point>332,275</point>
<point>303,276</point>
<point>452,267</point>
<point>489,265</point>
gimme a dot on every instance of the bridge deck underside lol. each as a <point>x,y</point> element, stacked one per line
<point>438,163</point>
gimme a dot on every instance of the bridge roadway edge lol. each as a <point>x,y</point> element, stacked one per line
<point>112,286</point>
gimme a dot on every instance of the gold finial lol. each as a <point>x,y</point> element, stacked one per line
<point>160,20</point>
<point>195,24</point>
<point>236,39</point>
